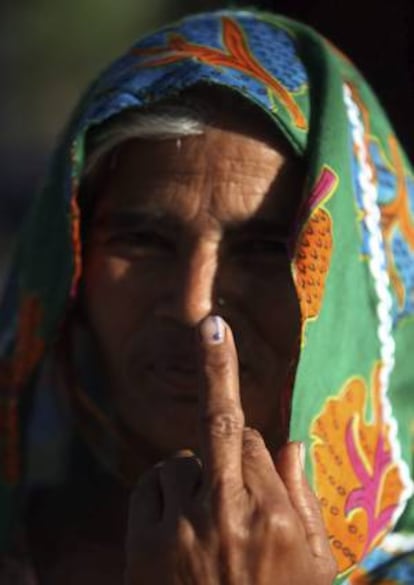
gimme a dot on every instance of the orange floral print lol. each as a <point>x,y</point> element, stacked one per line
<point>314,249</point>
<point>357,478</point>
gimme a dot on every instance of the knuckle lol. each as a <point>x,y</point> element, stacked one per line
<point>225,424</point>
<point>281,527</point>
<point>234,533</point>
<point>184,533</point>
<point>219,362</point>
<point>253,442</point>
<point>179,536</point>
<point>238,536</point>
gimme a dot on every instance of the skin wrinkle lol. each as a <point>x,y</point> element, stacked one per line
<point>162,293</point>
<point>149,282</point>
<point>205,152</point>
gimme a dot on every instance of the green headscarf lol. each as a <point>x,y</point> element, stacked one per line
<point>353,258</point>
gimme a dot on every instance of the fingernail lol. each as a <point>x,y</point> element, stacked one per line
<point>183,453</point>
<point>212,330</point>
<point>302,455</point>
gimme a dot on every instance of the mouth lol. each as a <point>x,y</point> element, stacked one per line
<point>177,383</point>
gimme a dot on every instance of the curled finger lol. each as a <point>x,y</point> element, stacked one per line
<point>290,466</point>
<point>180,479</point>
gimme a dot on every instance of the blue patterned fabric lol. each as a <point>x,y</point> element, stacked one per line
<point>352,265</point>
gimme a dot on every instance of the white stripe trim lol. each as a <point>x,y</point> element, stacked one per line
<point>378,269</point>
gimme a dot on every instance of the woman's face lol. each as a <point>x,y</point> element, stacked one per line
<point>185,228</point>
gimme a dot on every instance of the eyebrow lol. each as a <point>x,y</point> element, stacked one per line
<point>133,219</point>
<point>260,226</point>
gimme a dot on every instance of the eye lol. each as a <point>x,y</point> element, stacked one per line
<point>141,241</point>
<point>259,247</point>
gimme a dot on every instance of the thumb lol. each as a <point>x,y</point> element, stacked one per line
<point>180,478</point>
<point>290,466</point>
<point>145,504</point>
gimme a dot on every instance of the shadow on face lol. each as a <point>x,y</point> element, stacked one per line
<point>183,228</point>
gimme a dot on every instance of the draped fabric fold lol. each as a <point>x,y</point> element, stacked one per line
<point>352,263</point>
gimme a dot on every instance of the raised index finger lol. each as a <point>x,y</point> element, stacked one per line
<point>221,414</point>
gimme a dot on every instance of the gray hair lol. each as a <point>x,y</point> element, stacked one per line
<point>162,122</point>
<point>187,114</point>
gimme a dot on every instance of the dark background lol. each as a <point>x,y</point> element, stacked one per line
<point>50,49</point>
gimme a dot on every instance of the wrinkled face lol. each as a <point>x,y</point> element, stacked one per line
<point>183,229</point>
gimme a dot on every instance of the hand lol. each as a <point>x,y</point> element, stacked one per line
<point>233,518</point>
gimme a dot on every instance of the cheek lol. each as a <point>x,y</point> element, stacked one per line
<point>114,301</point>
<point>276,309</point>
<point>276,315</point>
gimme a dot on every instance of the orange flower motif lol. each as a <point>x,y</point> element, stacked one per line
<point>312,262</point>
<point>314,249</point>
<point>357,478</point>
<point>236,56</point>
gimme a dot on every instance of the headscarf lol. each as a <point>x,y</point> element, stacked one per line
<point>352,260</point>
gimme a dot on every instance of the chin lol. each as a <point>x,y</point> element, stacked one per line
<point>164,432</point>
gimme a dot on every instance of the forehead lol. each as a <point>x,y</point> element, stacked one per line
<point>228,173</point>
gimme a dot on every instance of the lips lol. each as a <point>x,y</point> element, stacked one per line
<point>166,366</point>
<point>177,382</point>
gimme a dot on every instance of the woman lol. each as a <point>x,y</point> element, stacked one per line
<point>232,166</point>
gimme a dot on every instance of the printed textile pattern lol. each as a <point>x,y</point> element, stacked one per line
<point>396,201</point>
<point>227,58</point>
<point>352,260</point>
<point>313,248</point>
<point>360,477</point>
<point>390,564</point>
<point>235,56</point>
<point>357,477</point>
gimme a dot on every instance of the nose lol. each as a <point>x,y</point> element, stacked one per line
<point>193,290</point>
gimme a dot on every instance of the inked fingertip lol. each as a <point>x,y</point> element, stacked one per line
<point>213,330</point>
